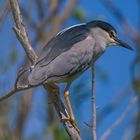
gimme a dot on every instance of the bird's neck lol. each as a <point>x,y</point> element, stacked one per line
<point>100,46</point>
<point>99,49</point>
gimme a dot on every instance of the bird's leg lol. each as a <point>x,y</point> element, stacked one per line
<point>54,88</point>
<point>71,118</point>
<point>66,93</point>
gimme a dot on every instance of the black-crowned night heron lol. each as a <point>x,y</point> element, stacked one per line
<point>71,52</point>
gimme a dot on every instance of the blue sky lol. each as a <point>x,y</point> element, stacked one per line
<point>115,62</point>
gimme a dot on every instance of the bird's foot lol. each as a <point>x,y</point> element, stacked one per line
<point>73,122</point>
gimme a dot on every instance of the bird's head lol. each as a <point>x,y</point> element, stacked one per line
<point>105,32</point>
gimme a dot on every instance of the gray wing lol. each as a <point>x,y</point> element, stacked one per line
<point>61,43</point>
<point>72,63</point>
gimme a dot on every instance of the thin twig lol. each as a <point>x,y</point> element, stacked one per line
<point>93,107</point>
<point>13,91</point>
<point>4,12</point>
<point>120,119</point>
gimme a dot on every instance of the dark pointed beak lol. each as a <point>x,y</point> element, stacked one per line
<point>123,44</point>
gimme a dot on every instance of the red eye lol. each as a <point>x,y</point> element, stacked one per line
<point>111,34</point>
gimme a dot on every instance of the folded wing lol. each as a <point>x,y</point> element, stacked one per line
<point>61,43</point>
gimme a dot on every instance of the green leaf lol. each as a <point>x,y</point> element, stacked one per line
<point>79,14</point>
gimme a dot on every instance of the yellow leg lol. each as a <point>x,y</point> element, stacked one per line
<point>71,118</point>
<point>66,93</point>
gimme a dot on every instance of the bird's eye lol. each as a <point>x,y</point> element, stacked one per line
<point>112,34</point>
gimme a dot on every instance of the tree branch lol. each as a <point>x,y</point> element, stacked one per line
<point>4,12</point>
<point>93,107</point>
<point>62,112</point>
<point>13,91</point>
<point>23,38</point>
<point>21,32</point>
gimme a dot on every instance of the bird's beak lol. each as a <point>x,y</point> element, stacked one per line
<point>123,44</point>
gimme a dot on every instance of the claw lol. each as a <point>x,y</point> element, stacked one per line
<point>72,120</point>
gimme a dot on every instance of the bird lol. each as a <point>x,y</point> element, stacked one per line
<point>70,53</point>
